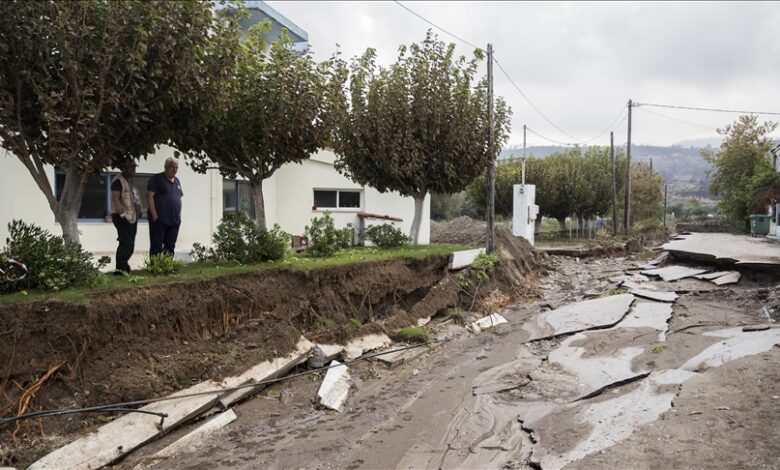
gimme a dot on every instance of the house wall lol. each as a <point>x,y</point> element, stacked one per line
<point>289,195</point>
<point>201,205</point>
<point>295,196</point>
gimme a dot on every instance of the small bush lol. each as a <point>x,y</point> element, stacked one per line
<point>484,264</point>
<point>412,334</point>
<point>53,263</point>
<point>385,236</point>
<point>324,238</point>
<point>238,238</point>
<point>162,264</point>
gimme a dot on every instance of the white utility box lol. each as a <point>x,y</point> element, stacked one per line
<point>525,211</point>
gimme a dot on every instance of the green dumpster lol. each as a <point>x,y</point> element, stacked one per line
<point>759,224</point>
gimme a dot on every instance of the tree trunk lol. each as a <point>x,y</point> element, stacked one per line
<point>538,224</point>
<point>67,210</point>
<point>414,233</point>
<point>562,224</point>
<point>259,200</point>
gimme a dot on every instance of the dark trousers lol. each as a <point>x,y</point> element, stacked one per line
<point>162,237</point>
<point>126,236</point>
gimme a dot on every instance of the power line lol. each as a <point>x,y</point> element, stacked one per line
<point>611,126</point>
<point>549,121</point>
<point>437,26</point>
<point>717,110</point>
<point>677,119</point>
<point>549,139</point>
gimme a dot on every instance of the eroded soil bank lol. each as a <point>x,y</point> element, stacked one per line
<point>148,341</point>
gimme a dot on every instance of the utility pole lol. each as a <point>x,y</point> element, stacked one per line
<point>614,183</point>
<point>524,127</point>
<point>665,185</point>
<point>627,210</point>
<point>491,172</point>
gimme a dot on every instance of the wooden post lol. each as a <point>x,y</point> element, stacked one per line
<point>627,209</point>
<point>614,183</point>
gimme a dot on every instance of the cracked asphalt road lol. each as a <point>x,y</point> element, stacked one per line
<point>680,389</point>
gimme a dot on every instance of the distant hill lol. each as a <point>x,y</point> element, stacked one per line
<point>682,167</point>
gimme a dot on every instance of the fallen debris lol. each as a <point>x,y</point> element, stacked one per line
<point>489,321</point>
<point>322,354</point>
<point>674,273</point>
<point>335,387</point>
<point>119,437</point>
<point>358,347</point>
<point>634,285</point>
<point>655,295</point>
<point>463,259</point>
<point>214,424</point>
<point>730,278</point>
<point>266,370</point>
<point>594,313</point>
<point>396,358</point>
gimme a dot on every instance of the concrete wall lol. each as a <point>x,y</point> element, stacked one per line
<point>295,198</point>
<point>289,195</point>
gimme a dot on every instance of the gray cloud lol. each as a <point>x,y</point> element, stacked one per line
<point>581,62</point>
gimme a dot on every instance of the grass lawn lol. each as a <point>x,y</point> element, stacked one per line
<point>193,271</point>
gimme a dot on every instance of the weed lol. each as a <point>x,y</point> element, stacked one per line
<point>354,323</point>
<point>162,264</point>
<point>412,334</point>
<point>323,323</point>
<point>658,349</point>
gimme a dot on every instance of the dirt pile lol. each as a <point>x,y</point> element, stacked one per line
<point>518,257</point>
<point>462,230</point>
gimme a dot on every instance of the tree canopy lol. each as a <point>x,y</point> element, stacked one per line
<point>743,154</point>
<point>420,125</point>
<point>276,106</point>
<point>86,86</point>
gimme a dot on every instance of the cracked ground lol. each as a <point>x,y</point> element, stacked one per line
<point>666,385</point>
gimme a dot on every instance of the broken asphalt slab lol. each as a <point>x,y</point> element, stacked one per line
<point>726,248</point>
<point>654,295</point>
<point>595,313</point>
<point>674,273</point>
<point>736,343</point>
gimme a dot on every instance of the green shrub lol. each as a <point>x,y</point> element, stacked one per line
<point>52,262</point>
<point>412,334</point>
<point>324,238</point>
<point>385,236</point>
<point>484,264</point>
<point>238,238</point>
<point>162,264</point>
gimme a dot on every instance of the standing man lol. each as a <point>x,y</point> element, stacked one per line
<point>125,212</point>
<point>163,196</point>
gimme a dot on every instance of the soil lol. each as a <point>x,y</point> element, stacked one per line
<point>149,341</point>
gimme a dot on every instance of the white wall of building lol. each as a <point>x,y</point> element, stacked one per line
<point>289,195</point>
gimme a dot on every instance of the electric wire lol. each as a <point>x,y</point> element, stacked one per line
<point>697,108</point>
<point>437,26</point>
<point>677,119</point>
<point>549,139</point>
<point>125,405</point>
<point>611,126</point>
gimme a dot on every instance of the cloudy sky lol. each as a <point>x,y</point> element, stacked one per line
<point>580,63</point>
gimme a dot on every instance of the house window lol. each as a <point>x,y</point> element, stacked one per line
<point>237,195</point>
<point>337,199</point>
<point>96,201</point>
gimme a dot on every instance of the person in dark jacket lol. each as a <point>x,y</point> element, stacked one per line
<point>163,197</point>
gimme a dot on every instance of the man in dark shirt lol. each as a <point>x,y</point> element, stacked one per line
<point>163,197</point>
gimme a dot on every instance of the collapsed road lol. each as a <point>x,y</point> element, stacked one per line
<point>586,375</point>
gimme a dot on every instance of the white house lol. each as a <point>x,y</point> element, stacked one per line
<point>291,194</point>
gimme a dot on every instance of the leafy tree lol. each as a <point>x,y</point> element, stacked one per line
<point>647,200</point>
<point>88,85</point>
<point>277,106</point>
<point>420,125</point>
<point>742,154</point>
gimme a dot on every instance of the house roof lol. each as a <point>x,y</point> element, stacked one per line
<point>260,10</point>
